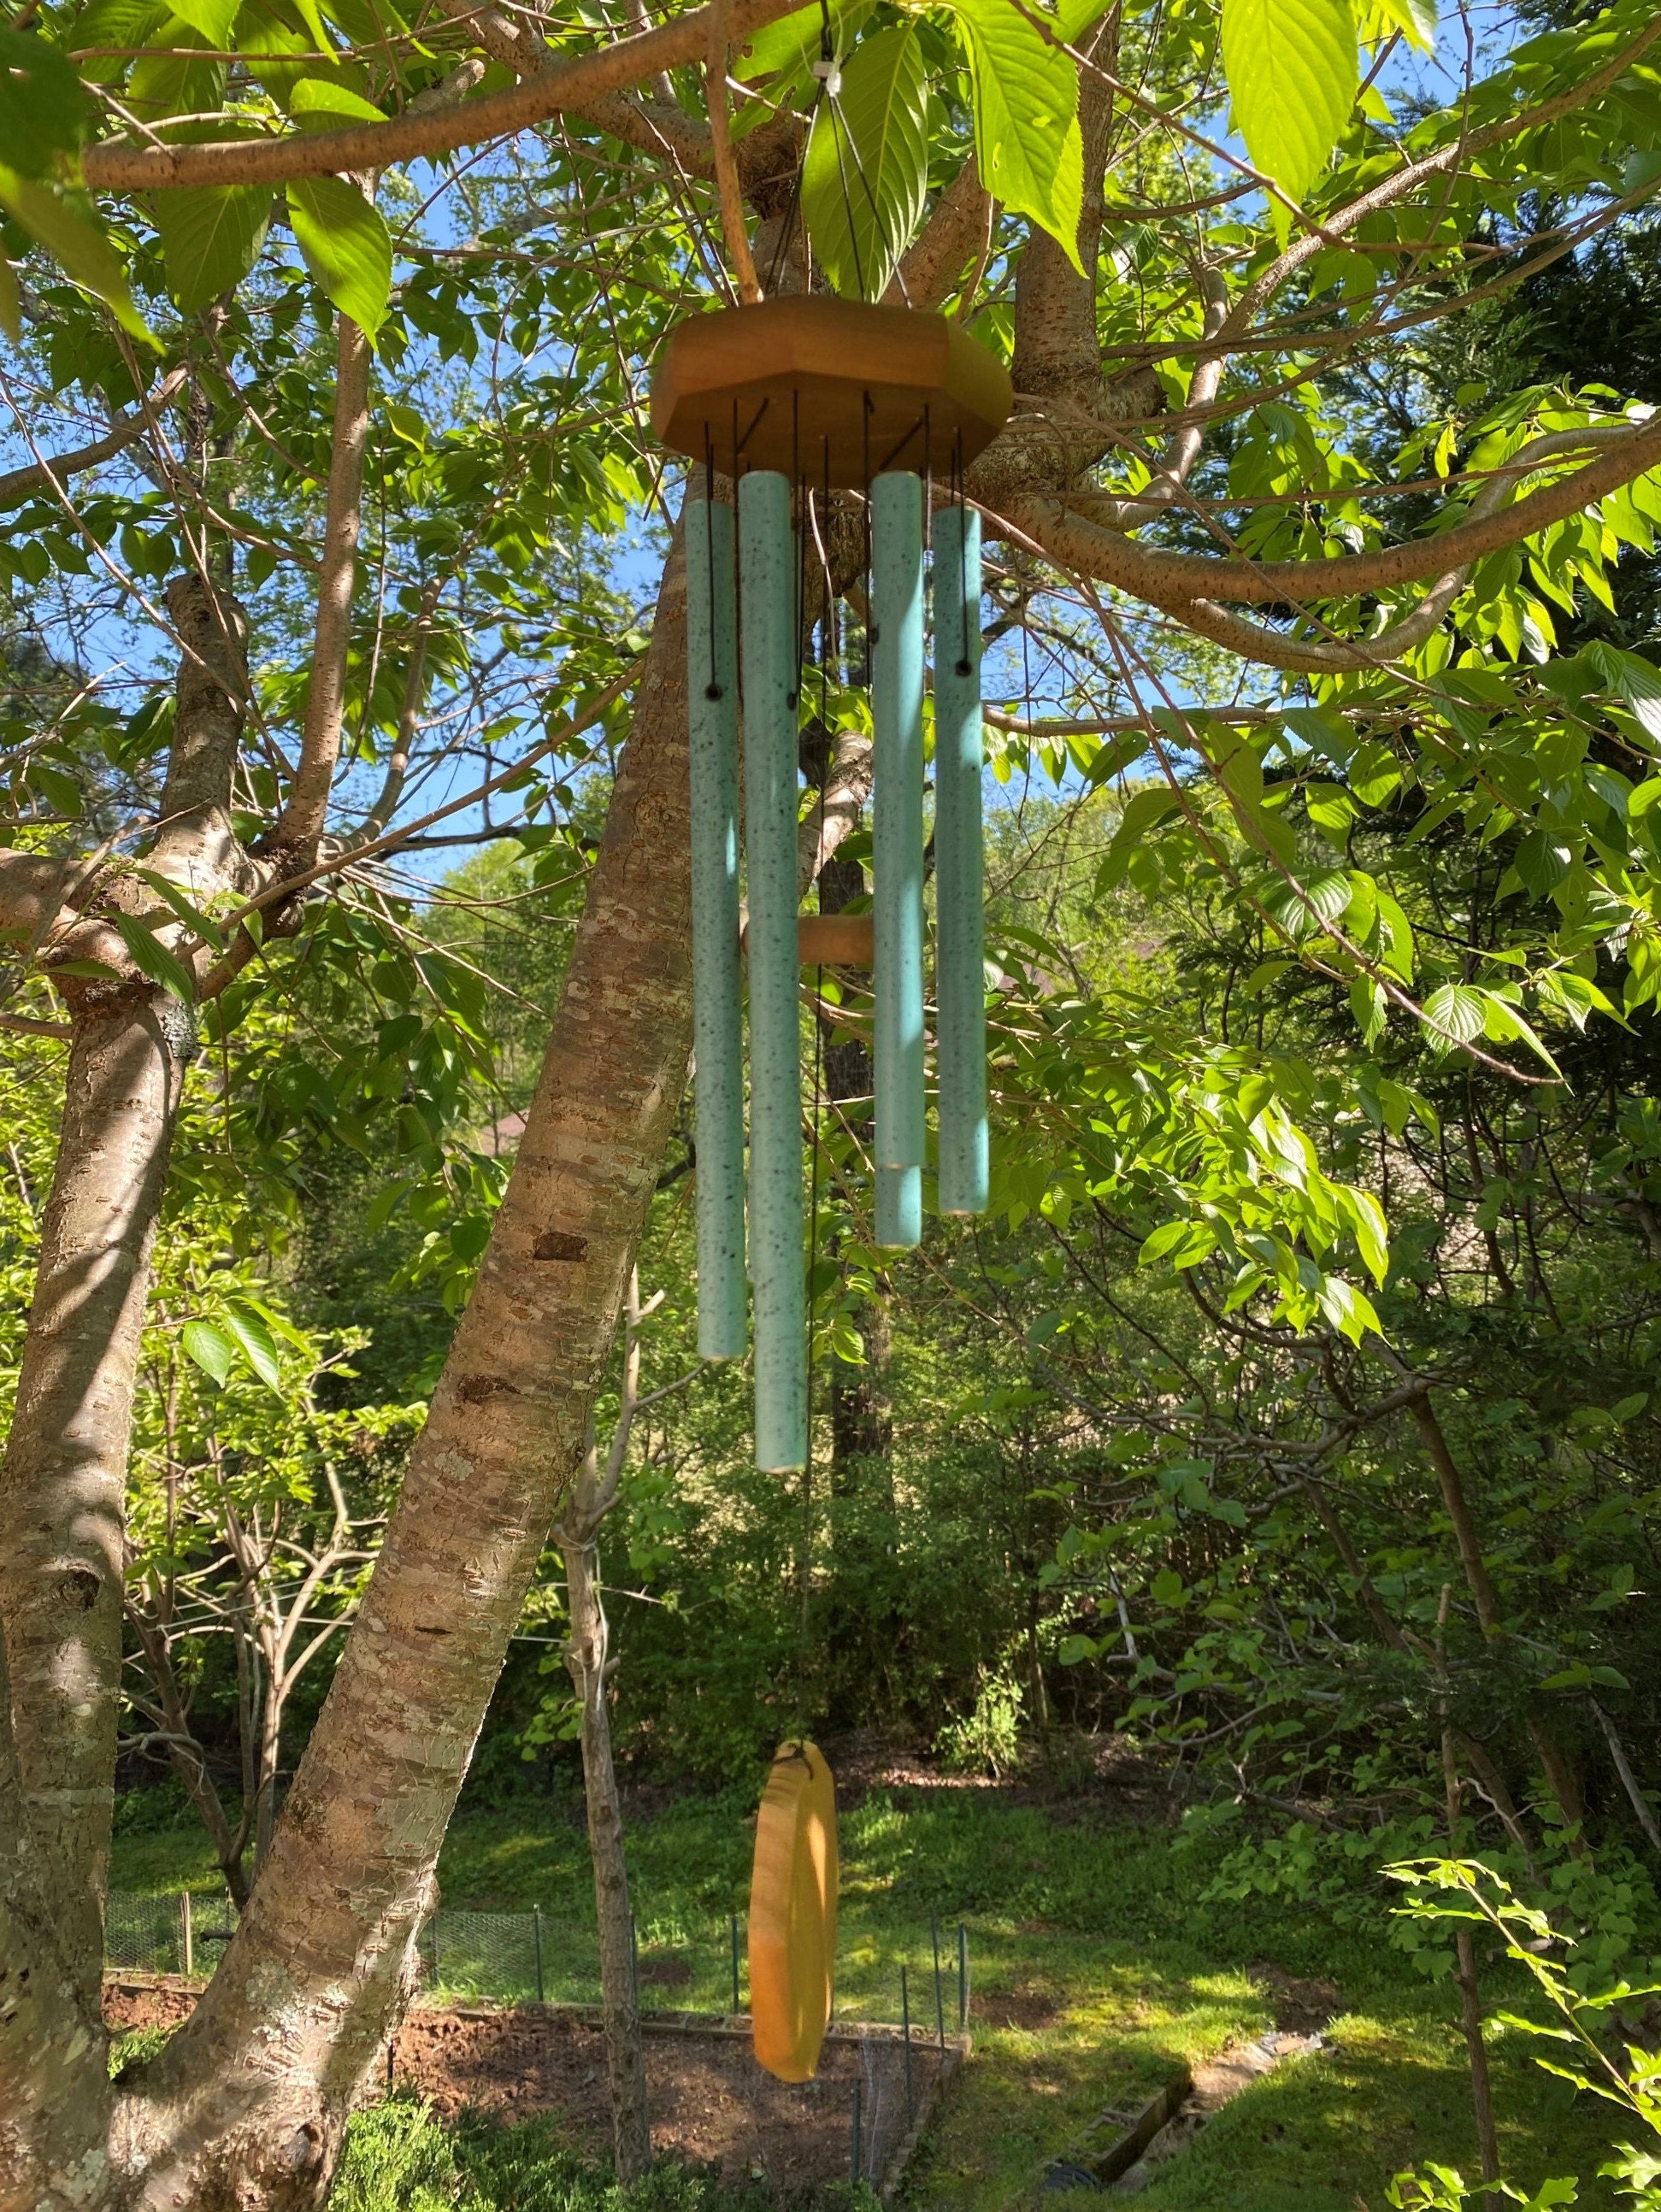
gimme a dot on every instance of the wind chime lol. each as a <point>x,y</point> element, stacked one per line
<point>792,400</point>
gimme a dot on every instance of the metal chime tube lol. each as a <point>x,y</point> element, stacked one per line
<point>897,851</point>
<point>959,863</point>
<point>767,556</point>
<point>712,692</point>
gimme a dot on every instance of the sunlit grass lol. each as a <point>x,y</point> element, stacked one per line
<point>1096,1971</point>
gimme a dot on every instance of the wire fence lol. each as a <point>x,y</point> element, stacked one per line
<point>538,1957</point>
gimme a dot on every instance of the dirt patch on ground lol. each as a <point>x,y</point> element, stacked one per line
<point>710,2103</point>
<point>1096,1777</point>
<point>1302,2006</point>
<point>160,2001</point>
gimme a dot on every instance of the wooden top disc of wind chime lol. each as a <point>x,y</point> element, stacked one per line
<point>792,1913</point>
<point>828,389</point>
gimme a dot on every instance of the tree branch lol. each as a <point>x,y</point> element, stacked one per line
<point>1177,581</point>
<point>17,484</point>
<point>300,823</point>
<point>568,87</point>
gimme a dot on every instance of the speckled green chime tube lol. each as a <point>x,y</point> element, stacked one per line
<point>712,698</point>
<point>896,852</point>
<point>959,863</point>
<point>768,563</point>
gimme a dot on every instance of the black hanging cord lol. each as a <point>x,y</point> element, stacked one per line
<point>793,205</point>
<point>963,549</point>
<point>712,688</point>
<point>870,610</point>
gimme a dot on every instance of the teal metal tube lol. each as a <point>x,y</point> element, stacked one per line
<point>959,863</point>
<point>897,851</point>
<point>899,1206</point>
<point>777,1261</point>
<point>712,701</point>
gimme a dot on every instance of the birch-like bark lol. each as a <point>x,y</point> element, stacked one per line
<point>63,1475</point>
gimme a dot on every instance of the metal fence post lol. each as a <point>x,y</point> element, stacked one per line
<point>187,1936</point>
<point>940,2001</point>
<point>905,2030</point>
<point>634,1962</point>
<point>733,1928</point>
<point>536,1931</point>
<point>963,1978</point>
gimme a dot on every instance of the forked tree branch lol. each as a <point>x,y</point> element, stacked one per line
<point>300,823</point>
<point>568,87</point>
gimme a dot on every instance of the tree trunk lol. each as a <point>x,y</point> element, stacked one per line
<point>1553,1762</point>
<point>1470,2003</point>
<point>626,2059</point>
<point>247,2103</point>
<point>63,1478</point>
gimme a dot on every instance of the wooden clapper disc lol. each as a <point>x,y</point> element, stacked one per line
<point>792,1913</point>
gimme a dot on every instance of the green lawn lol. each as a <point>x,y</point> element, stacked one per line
<point>1096,1967</point>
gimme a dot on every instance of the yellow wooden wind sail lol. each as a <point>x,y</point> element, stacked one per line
<point>792,1913</point>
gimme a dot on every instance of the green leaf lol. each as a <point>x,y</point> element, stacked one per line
<point>43,112</point>
<point>1370,1006</point>
<point>1414,19</point>
<point>1502,1022</point>
<point>213,18</point>
<point>192,917</point>
<point>209,1347</point>
<point>1456,1010</point>
<point>77,242</point>
<point>318,103</point>
<point>1639,683</point>
<point>1026,118</point>
<point>182,77</point>
<point>1166,1587</point>
<point>310,16</point>
<point>210,238</point>
<point>866,173</point>
<point>57,788</point>
<point>794,41</point>
<point>153,959</point>
<point>346,246</point>
<point>11,304</point>
<point>1184,1243</point>
<point>258,1345</point>
<point>1292,67</point>
<point>118,23</point>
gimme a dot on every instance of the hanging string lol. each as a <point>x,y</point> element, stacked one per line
<point>870,618</point>
<point>798,495</point>
<point>713,688</point>
<point>963,543</point>
<point>827,646</point>
<point>839,118</point>
<point>825,73</point>
<point>927,482</point>
<point>814,1209</point>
